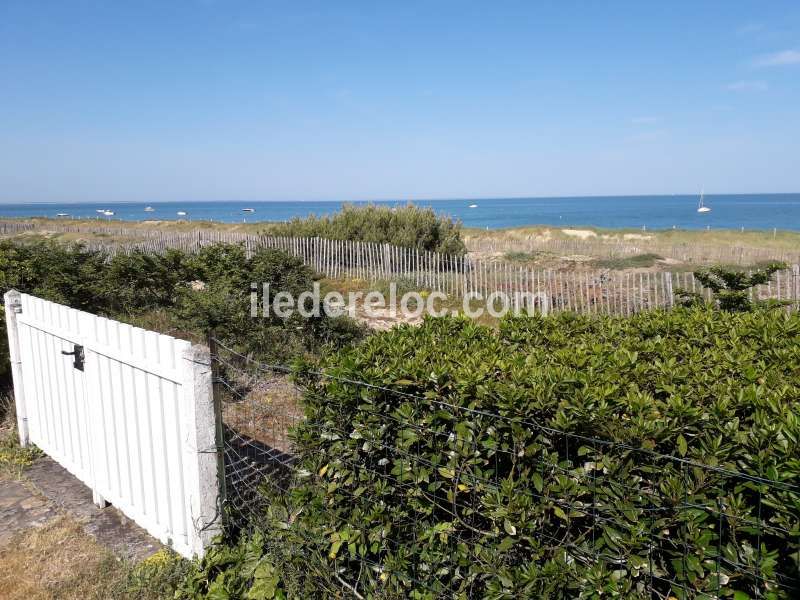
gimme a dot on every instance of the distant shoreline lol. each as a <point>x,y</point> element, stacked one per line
<point>543,246</point>
<point>253,225</point>
<point>749,211</point>
<point>782,238</point>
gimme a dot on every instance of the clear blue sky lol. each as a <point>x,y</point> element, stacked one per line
<point>215,100</point>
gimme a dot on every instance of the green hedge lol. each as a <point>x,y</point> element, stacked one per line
<point>407,226</point>
<point>474,492</point>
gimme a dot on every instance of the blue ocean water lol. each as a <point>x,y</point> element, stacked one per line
<point>734,211</point>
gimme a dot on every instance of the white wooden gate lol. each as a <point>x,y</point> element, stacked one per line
<point>129,412</point>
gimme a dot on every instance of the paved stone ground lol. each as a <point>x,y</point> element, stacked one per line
<point>47,490</point>
<point>22,507</point>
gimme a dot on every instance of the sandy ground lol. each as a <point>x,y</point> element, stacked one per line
<point>579,233</point>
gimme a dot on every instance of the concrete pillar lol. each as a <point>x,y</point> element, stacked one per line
<point>13,307</point>
<point>201,452</point>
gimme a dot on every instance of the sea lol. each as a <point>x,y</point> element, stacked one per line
<point>729,211</point>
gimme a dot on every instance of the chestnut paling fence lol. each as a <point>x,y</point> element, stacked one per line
<point>598,291</point>
<point>705,532</point>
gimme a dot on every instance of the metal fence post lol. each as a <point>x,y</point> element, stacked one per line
<point>13,306</point>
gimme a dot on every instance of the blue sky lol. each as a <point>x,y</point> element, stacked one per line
<point>217,100</point>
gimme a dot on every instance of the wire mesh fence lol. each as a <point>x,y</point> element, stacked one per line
<point>460,505</point>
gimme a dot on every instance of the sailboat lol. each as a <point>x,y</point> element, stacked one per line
<point>149,209</point>
<point>702,208</point>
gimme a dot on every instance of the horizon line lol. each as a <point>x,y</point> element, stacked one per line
<point>405,200</point>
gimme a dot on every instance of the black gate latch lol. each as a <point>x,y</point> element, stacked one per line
<point>77,352</point>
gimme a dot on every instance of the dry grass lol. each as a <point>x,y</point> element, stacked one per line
<point>269,409</point>
<point>785,240</point>
<point>167,225</point>
<point>58,561</point>
<point>13,458</point>
<point>564,248</point>
<point>539,246</point>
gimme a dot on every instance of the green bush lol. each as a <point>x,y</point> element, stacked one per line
<point>222,304</point>
<point>245,570</point>
<point>407,226</point>
<point>194,292</point>
<point>141,281</point>
<point>463,484</point>
<point>62,273</point>
<point>731,288</point>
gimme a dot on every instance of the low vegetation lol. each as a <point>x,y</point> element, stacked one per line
<point>524,257</point>
<point>637,261</point>
<point>186,295</point>
<point>13,458</point>
<point>722,238</point>
<point>731,288</point>
<point>540,458</point>
<point>60,560</point>
<point>470,469</point>
<point>407,226</point>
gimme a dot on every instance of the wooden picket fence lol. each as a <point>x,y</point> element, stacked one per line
<point>583,291</point>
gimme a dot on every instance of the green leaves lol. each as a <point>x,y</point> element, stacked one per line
<point>682,445</point>
<point>489,485</point>
<point>243,571</point>
<point>266,582</point>
<point>731,288</point>
<point>527,490</point>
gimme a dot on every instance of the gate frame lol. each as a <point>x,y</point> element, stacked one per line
<point>13,307</point>
<point>200,449</point>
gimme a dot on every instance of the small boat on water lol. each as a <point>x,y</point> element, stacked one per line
<point>100,210</point>
<point>473,206</point>
<point>62,215</point>
<point>108,213</point>
<point>249,210</point>
<point>148,209</point>
<point>702,208</point>
<point>181,213</point>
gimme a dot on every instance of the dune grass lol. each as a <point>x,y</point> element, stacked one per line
<point>780,239</point>
<point>637,261</point>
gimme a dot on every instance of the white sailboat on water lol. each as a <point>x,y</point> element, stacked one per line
<point>701,208</point>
